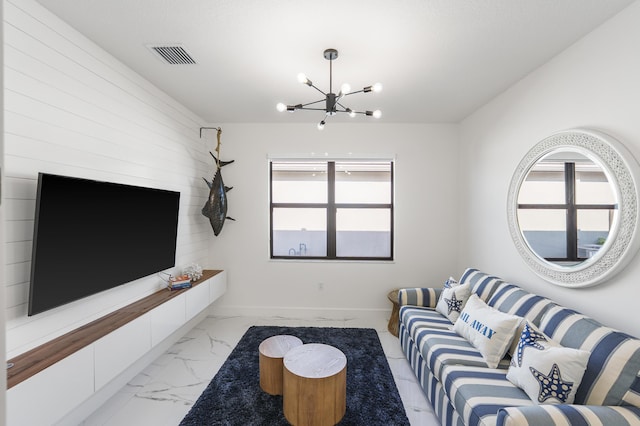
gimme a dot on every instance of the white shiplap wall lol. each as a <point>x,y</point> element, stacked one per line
<point>72,109</point>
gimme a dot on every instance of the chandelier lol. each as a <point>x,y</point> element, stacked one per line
<point>333,102</point>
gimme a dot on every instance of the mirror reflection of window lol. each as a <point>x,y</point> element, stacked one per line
<point>566,208</point>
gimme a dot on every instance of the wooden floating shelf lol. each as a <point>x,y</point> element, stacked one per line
<point>37,359</point>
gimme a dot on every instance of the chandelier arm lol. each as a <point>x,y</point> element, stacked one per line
<point>312,109</point>
<point>353,93</point>
<point>356,112</point>
<point>311,103</point>
<point>312,85</point>
<point>348,110</point>
<point>323,121</point>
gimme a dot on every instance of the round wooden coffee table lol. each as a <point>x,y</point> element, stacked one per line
<point>272,350</point>
<point>315,385</point>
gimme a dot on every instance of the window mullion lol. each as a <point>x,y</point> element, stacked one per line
<point>572,214</point>
<point>391,218</point>
<point>271,208</point>
<point>331,210</point>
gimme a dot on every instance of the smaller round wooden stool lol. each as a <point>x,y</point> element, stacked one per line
<point>315,385</point>
<point>272,350</point>
<point>394,320</point>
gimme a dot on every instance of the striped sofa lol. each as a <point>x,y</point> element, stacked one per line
<point>465,391</point>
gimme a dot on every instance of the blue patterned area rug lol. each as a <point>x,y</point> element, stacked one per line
<point>234,396</point>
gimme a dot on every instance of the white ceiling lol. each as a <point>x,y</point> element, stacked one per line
<point>438,60</point>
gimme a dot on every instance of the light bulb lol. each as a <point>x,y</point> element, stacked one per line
<point>377,113</point>
<point>345,89</point>
<point>302,78</point>
<point>377,87</point>
<point>321,125</point>
<point>351,113</point>
<point>281,107</point>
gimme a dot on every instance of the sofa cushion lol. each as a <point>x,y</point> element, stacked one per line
<point>416,317</point>
<point>546,371</point>
<point>452,300</point>
<point>613,370</point>
<point>481,284</point>
<point>477,393</point>
<point>487,329</point>
<point>441,347</point>
<point>511,299</point>
<point>569,414</point>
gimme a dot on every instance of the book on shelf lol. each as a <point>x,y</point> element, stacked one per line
<point>179,286</point>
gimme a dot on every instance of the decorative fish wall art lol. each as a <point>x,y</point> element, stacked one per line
<point>216,206</point>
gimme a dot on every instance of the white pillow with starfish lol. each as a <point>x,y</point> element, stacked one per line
<point>452,301</point>
<point>547,372</point>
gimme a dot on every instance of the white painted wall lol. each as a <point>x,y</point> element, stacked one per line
<point>592,84</point>
<point>72,109</point>
<point>426,182</point>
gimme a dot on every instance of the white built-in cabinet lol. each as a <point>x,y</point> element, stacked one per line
<point>47,396</point>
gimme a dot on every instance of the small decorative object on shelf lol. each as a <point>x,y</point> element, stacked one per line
<point>194,271</point>
<point>179,282</point>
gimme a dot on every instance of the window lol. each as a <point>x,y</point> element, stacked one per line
<point>331,209</point>
<point>566,209</point>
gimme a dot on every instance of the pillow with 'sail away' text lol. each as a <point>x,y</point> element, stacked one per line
<point>487,329</point>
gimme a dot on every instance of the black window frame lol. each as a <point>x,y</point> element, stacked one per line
<point>331,208</point>
<point>571,208</point>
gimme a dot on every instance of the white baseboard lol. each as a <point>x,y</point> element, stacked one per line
<point>338,314</point>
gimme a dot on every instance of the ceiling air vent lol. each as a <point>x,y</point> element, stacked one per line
<point>173,54</point>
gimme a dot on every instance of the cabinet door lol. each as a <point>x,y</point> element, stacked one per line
<point>48,396</point>
<point>167,318</point>
<point>197,299</point>
<point>122,347</point>
<point>218,285</point>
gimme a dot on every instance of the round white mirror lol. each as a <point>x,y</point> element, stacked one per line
<point>573,208</point>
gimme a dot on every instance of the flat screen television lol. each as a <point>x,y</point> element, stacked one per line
<point>90,236</point>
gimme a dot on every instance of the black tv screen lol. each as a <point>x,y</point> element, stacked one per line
<point>90,236</point>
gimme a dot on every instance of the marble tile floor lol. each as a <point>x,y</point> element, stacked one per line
<point>164,392</point>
